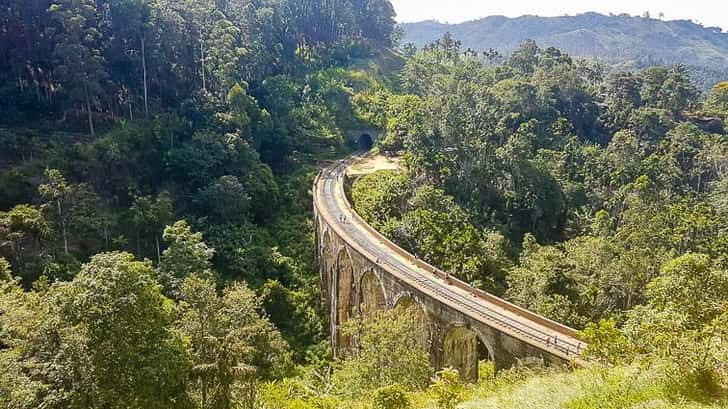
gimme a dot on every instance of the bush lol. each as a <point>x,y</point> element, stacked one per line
<point>605,341</point>
<point>293,394</point>
<point>5,273</point>
<point>447,389</point>
<point>391,397</point>
<point>621,388</point>
<point>693,373</point>
<point>389,350</point>
<point>486,373</point>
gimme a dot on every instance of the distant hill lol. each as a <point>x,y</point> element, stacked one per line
<point>636,42</point>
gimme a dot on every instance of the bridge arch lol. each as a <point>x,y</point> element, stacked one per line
<point>463,349</point>
<point>408,304</point>
<point>404,299</point>
<point>344,295</point>
<point>371,295</point>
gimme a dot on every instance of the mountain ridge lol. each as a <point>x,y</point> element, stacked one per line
<point>634,41</point>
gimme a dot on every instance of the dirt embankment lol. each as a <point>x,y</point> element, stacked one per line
<point>373,163</point>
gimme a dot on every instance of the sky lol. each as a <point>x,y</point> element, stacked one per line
<point>707,12</point>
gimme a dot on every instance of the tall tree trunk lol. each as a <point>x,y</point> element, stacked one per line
<point>63,227</point>
<point>629,299</point>
<point>204,393</point>
<point>202,53</point>
<point>159,254</point>
<point>144,69</point>
<point>88,110</point>
<point>90,119</point>
<point>36,84</point>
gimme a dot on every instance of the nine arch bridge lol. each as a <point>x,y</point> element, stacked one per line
<point>362,272</point>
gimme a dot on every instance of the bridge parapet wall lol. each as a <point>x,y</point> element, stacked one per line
<point>455,336</point>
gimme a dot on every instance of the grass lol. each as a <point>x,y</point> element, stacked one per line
<point>617,388</point>
<point>625,387</point>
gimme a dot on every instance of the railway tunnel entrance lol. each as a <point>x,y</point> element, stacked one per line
<point>365,142</point>
<point>464,350</point>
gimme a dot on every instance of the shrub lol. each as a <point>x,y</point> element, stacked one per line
<point>391,397</point>
<point>447,389</point>
<point>486,373</point>
<point>389,350</point>
<point>292,394</point>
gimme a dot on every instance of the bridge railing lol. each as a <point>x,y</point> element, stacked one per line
<point>450,280</point>
<point>459,283</point>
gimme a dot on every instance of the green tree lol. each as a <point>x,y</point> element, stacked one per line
<point>232,345</point>
<point>225,200</point>
<point>186,255</point>
<point>222,48</point>
<point>78,52</point>
<point>150,215</point>
<point>403,113</point>
<point>74,209</point>
<point>691,285</point>
<point>388,350</point>
<point>718,99</point>
<point>58,193</point>
<point>605,342</point>
<point>544,282</point>
<point>526,57</point>
<point>668,89</point>
<point>24,231</point>
<point>114,321</point>
<point>24,315</point>
<point>622,92</point>
<point>380,196</point>
<point>680,323</point>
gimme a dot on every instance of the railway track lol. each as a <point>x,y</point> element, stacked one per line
<point>541,333</point>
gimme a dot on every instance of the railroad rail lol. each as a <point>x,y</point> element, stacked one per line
<point>545,335</point>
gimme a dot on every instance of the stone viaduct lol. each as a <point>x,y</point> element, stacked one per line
<point>362,272</point>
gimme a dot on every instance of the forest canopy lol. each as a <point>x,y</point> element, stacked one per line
<point>156,230</point>
<point>592,198</point>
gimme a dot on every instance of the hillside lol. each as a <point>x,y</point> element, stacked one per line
<point>635,41</point>
<point>159,247</point>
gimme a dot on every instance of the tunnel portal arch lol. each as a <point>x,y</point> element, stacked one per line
<point>365,142</point>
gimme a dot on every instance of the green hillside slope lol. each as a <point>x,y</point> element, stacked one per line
<point>636,42</point>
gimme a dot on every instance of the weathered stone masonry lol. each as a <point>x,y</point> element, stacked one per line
<point>354,286</point>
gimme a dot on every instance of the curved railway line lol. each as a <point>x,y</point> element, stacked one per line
<point>545,335</point>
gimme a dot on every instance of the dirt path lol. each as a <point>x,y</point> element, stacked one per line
<point>373,163</point>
